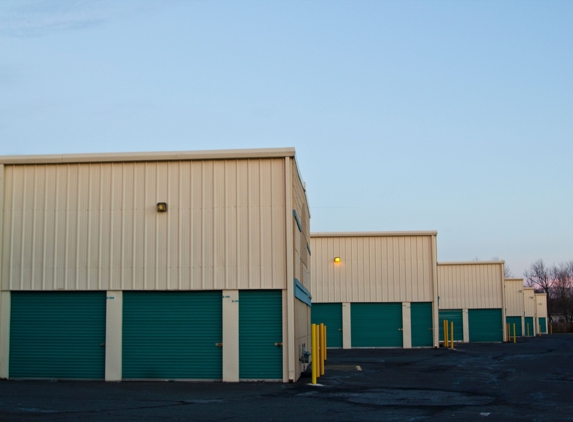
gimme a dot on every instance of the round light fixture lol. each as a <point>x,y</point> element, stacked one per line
<point>337,260</point>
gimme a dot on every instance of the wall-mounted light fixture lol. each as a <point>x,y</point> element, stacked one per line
<point>162,207</point>
<point>337,260</point>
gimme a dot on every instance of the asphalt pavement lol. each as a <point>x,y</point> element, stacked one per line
<point>531,380</point>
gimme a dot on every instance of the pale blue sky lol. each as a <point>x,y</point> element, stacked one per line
<point>406,115</point>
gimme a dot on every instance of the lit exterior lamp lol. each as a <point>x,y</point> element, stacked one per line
<point>162,207</point>
<point>337,260</point>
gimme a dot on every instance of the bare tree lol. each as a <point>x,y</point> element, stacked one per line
<point>562,290</point>
<point>539,276</point>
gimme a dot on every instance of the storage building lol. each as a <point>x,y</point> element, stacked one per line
<point>541,312</point>
<point>169,266</point>
<point>375,289</point>
<point>530,310</point>
<point>471,295</point>
<point>514,307</point>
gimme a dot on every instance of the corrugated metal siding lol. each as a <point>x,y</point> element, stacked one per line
<point>95,226</point>
<point>514,297</point>
<point>470,286</point>
<point>301,239</point>
<point>541,304</point>
<point>529,306</point>
<point>372,269</point>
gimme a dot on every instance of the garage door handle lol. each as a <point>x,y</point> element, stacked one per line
<point>400,329</point>
<point>219,344</point>
<point>102,344</point>
<point>278,344</point>
<point>340,329</point>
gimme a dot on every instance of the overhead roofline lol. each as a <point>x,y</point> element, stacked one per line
<point>374,234</point>
<point>514,279</point>
<point>148,156</point>
<point>471,263</point>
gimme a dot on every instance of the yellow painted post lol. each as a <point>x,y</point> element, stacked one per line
<point>314,354</point>
<point>452,335</point>
<point>550,328</point>
<point>445,333</point>
<point>322,343</point>
<point>325,346</point>
<point>514,333</point>
<point>318,351</point>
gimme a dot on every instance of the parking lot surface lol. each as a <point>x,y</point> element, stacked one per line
<point>528,381</point>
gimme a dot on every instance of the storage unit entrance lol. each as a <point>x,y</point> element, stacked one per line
<point>375,289</point>
<point>57,335</point>
<point>475,291</point>
<point>163,266</point>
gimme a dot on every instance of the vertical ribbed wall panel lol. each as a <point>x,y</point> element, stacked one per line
<point>514,297</point>
<point>529,306</point>
<point>372,269</point>
<point>95,226</point>
<point>541,305</point>
<point>470,286</point>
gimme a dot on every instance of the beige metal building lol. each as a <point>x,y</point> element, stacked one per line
<point>375,289</point>
<point>514,306</point>
<point>530,309</point>
<point>541,313</point>
<point>170,265</point>
<point>471,294</point>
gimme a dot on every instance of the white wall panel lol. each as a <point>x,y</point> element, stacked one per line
<point>514,296</point>
<point>529,306</point>
<point>373,268</point>
<point>94,226</point>
<point>470,285</point>
<point>541,305</point>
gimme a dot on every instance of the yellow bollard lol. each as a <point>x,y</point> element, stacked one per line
<point>325,346</point>
<point>318,351</point>
<point>313,353</point>
<point>452,335</point>
<point>508,331</point>
<point>322,353</point>
<point>445,333</point>
<point>550,328</point>
<point>514,333</point>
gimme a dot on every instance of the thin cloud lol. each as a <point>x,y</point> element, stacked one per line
<point>36,18</point>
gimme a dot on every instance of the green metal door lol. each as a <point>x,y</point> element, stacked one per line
<point>421,320</point>
<point>511,320</point>
<point>57,335</point>
<point>330,314</point>
<point>455,316</point>
<point>528,329</point>
<point>542,325</point>
<point>376,324</point>
<point>172,335</point>
<point>485,325</point>
<point>260,335</point>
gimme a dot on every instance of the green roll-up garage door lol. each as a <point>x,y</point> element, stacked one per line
<point>329,314</point>
<point>528,329</point>
<point>376,324</point>
<point>485,325</point>
<point>421,320</point>
<point>455,316</point>
<point>57,335</point>
<point>511,320</point>
<point>260,335</point>
<point>543,325</point>
<point>172,335</point>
